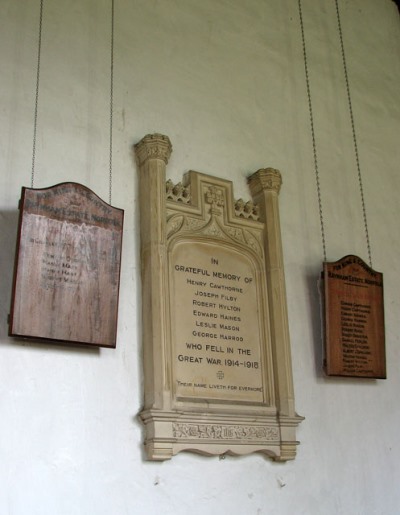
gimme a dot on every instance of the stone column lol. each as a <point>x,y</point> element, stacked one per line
<point>152,154</point>
<point>265,185</point>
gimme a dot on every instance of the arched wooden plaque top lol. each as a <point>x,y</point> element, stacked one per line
<point>354,319</point>
<point>67,270</point>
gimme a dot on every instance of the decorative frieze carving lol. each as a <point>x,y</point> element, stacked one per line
<point>214,197</point>
<point>178,193</point>
<point>186,224</point>
<point>225,432</point>
<point>247,209</point>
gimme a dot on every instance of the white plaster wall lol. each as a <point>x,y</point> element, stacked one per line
<point>224,79</point>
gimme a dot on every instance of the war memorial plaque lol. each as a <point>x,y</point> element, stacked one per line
<point>216,326</point>
<point>66,279</point>
<point>354,319</point>
<point>216,349</point>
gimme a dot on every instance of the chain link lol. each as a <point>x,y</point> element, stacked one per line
<point>354,134</point>
<point>35,118</point>
<point>37,97</point>
<point>352,127</point>
<point>111,101</point>
<point>321,217</point>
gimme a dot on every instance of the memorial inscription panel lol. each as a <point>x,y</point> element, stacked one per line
<point>217,366</point>
<point>66,279</point>
<point>355,329</point>
<point>217,331</point>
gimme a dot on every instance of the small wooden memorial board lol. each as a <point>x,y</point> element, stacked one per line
<point>66,279</point>
<point>354,319</point>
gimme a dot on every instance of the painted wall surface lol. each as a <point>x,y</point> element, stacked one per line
<point>225,81</point>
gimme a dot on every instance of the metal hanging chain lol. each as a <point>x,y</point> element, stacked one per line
<point>321,218</point>
<point>37,94</point>
<point>111,100</point>
<point>354,134</point>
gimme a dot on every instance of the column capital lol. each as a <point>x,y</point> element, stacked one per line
<point>265,179</point>
<point>153,146</point>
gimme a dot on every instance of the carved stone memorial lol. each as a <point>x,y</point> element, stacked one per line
<point>354,319</point>
<point>217,360</point>
<point>66,279</point>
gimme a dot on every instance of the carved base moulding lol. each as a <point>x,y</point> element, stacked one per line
<point>217,361</point>
<point>170,433</point>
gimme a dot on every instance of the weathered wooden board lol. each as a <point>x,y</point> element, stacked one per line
<point>67,270</point>
<point>354,319</point>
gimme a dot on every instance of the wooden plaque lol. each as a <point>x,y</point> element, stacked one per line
<point>354,319</point>
<point>216,347</point>
<point>66,279</point>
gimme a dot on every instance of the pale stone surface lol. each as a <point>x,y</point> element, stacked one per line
<point>218,375</point>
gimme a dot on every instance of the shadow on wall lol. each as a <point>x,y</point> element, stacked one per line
<point>8,240</point>
<point>314,286</point>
